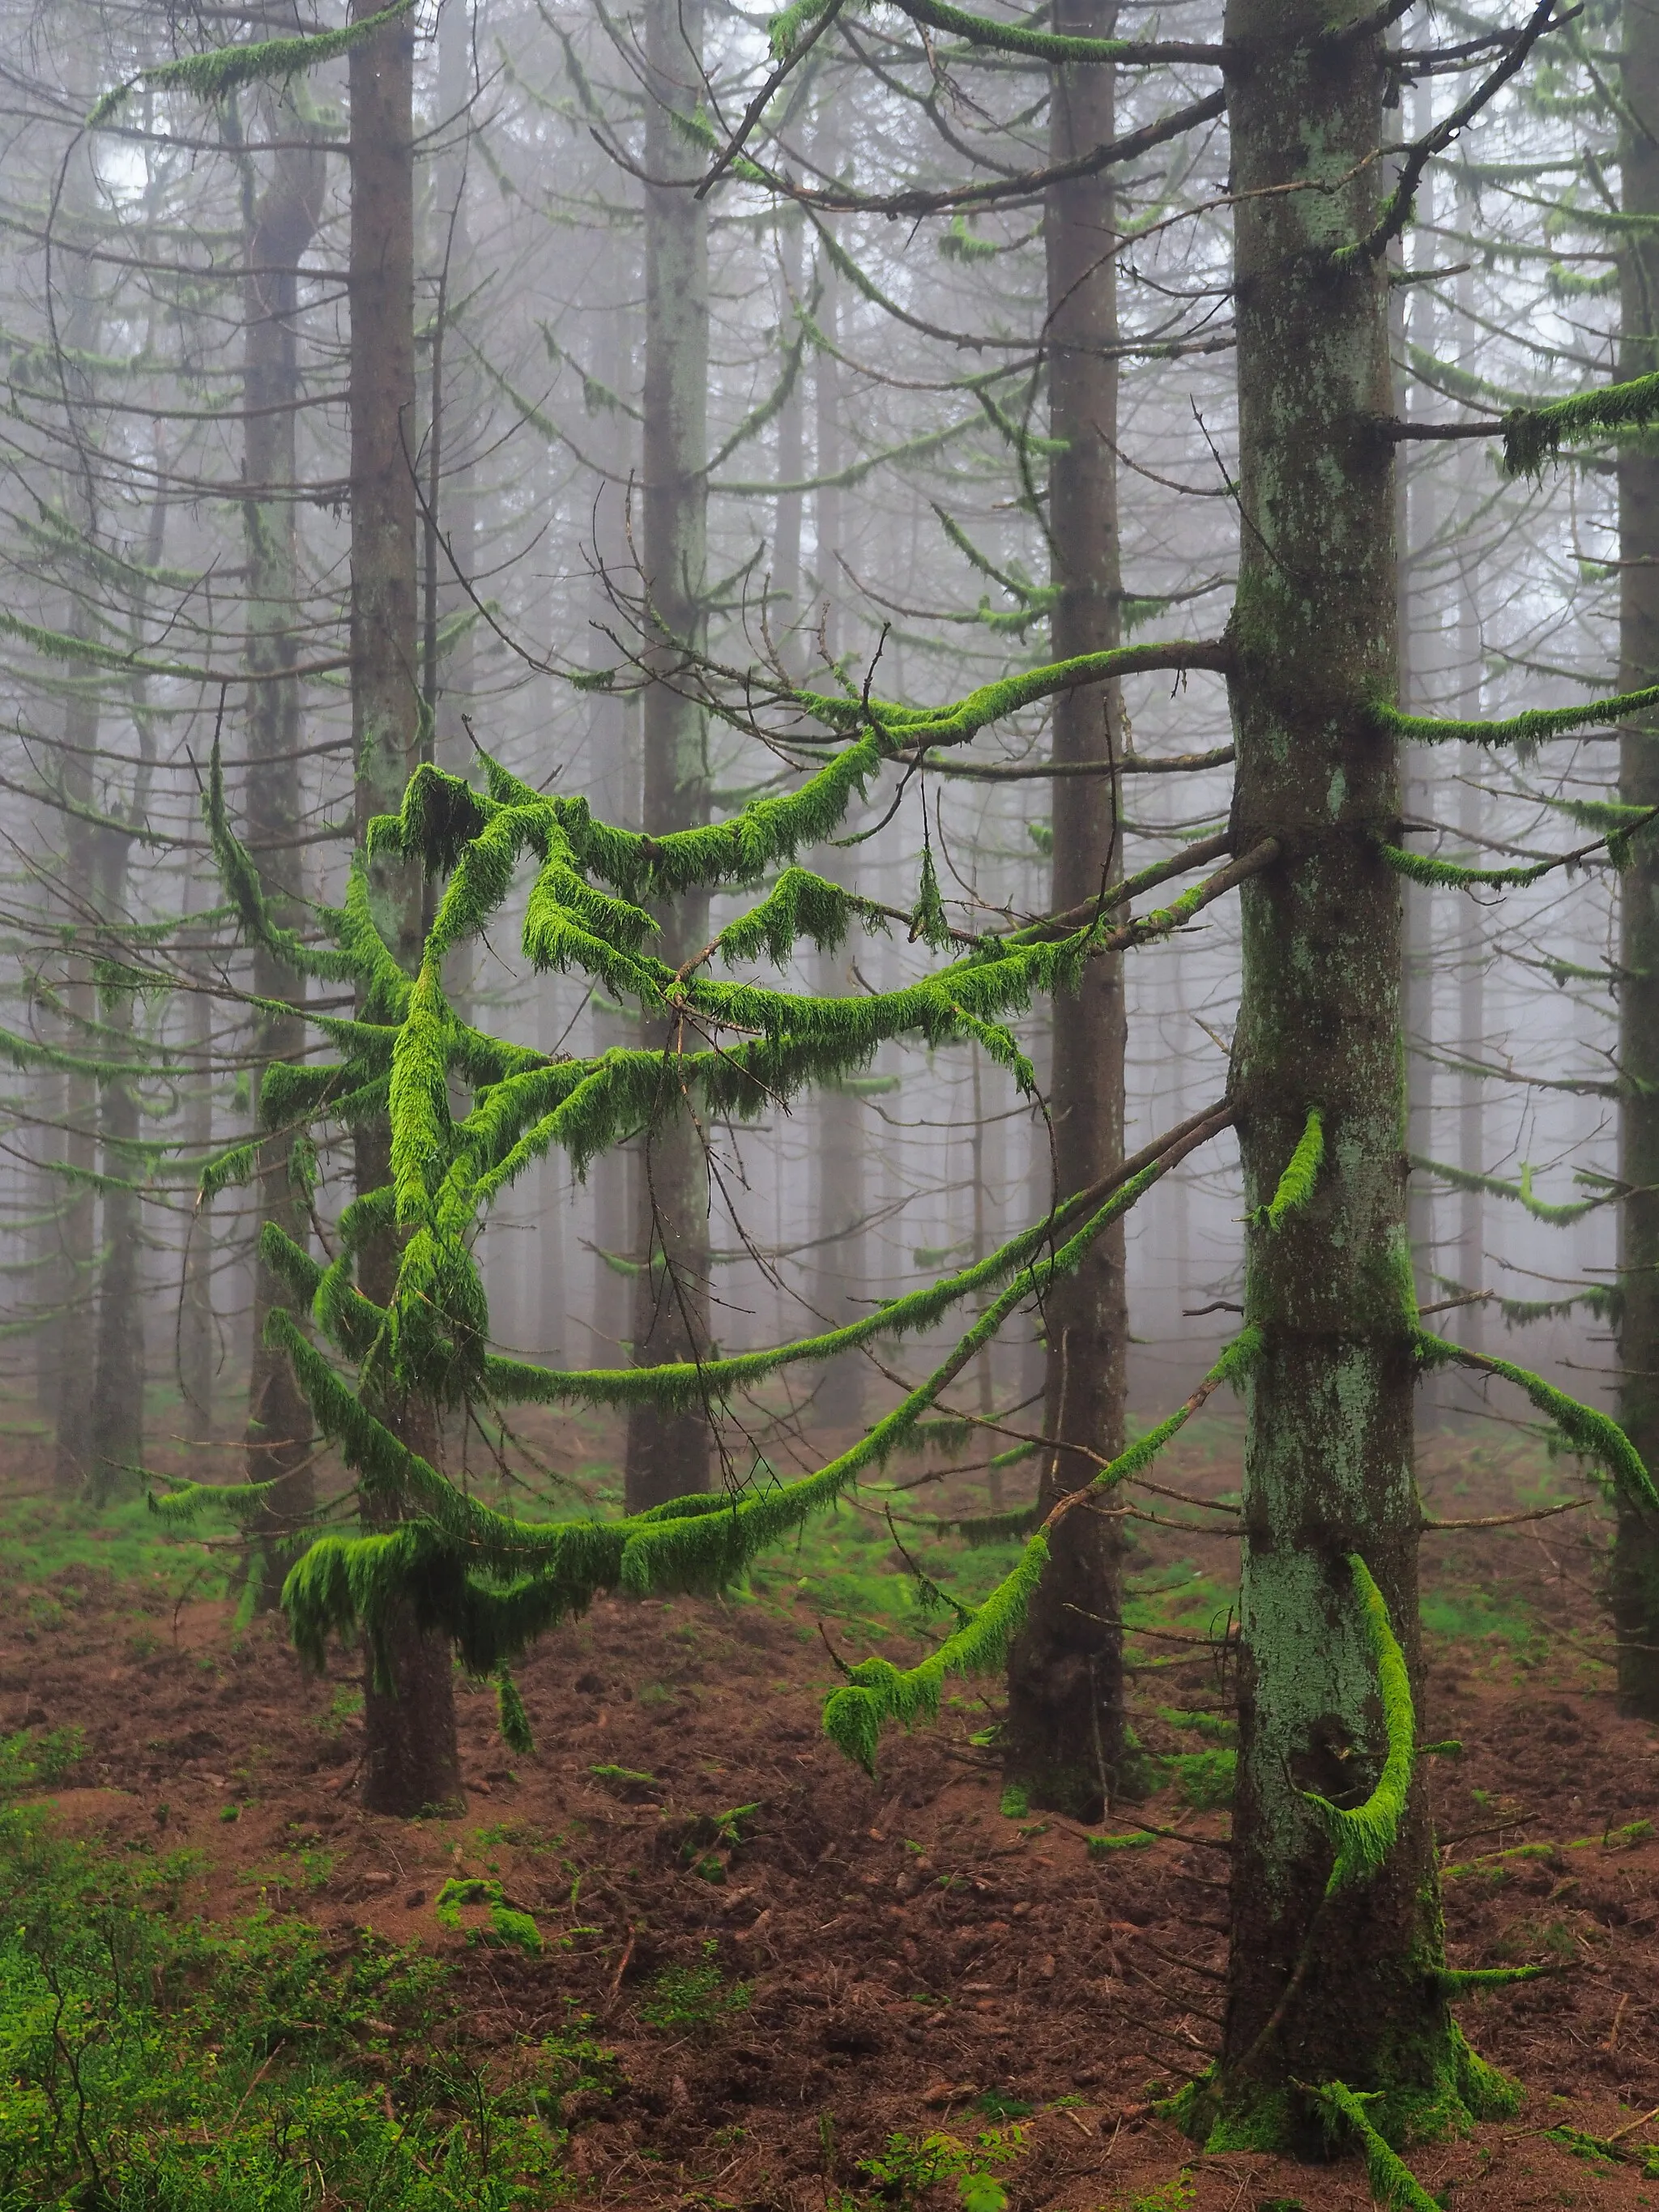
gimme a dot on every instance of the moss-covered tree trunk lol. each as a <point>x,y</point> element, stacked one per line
<point>411,1760</point>
<point>1346,1991</point>
<point>282,222</point>
<point>1064,1728</point>
<point>667,1454</point>
<point>1635,1582</point>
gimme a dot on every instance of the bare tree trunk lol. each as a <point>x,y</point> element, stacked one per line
<point>412,1762</point>
<point>1065,1726</point>
<point>613,788</point>
<point>280,226</point>
<point>668,1447</point>
<point>73,1277</point>
<point>838,1202</point>
<point>1635,1577</point>
<point>195,1361</point>
<point>119,1368</point>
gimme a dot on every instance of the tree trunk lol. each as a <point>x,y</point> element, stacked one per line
<point>1317,1992</point>
<point>74,1279</point>
<point>838,1266</point>
<point>1635,1579</point>
<point>668,1447</point>
<point>1065,1727</point>
<point>195,1361</point>
<point>410,1761</point>
<point>118,1386</point>
<point>278,1443</point>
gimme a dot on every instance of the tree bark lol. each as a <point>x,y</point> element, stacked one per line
<point>1065,1734</point>
<point>1344,1990</point>
<point>412,1762</point>
<point>196,1360</point>
<point>74,1276</point>
<point>667,1454</point>
<point>285,219</point>
<point>1634,1577</point>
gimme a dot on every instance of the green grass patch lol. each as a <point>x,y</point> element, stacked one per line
<point>149,2059</point>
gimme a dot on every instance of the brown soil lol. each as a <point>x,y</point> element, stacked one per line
<point>905,1947</point>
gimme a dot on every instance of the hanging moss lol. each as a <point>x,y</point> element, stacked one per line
<point>1532,728</point>
<point>1450,875</point>
<point>514,1720</point>
<point>1532,435</point>
<point>224,70</point>
<point>1559,1216</point>
<point>1363,1835</point>
<point>879,1694</point>
<point>1586,1429</point>
<point>1296,1185</point>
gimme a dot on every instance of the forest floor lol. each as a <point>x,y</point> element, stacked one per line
<point>733,1968</point>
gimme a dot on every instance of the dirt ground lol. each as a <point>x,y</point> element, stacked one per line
<point>856,1957</point>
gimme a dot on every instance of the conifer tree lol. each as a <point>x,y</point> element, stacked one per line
<point>668,1445</point>
<point>281,219</point>
<point>1634,1567</point>
<point>1065,1722</point>
<point>411,1760</point>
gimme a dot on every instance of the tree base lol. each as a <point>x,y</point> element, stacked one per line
<point>1246,2113</point>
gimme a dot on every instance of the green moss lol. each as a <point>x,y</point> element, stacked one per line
<point>224,70</point>
<point>1363,1835</point>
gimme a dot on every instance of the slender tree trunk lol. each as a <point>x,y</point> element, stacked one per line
<point>1470,1265</point>
<point>1065,1727</point>
<point>410,1761</point>
<point>838,1200</point>
<point>75,1276</point>
<point>118,1386</point>
<point>668,1447</point>
<point>1635,1578</point>
<point>1346,1991</point>
<point>118,1376</point>
<point>196,1332</point>
<point>281,225</point>
<point>613,745</point>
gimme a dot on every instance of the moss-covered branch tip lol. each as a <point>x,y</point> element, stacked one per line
<point>1363,1835</point>
<point>214,76</point>
<point>1296,1184</point>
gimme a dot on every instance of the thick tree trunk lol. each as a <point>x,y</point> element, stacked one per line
<point>1343,1991</point>
<point>1635,1579</point>
<point>1064,1727</point>
<point>410,1761</point>
<point>668,1448</point>
<point>278,1443</point>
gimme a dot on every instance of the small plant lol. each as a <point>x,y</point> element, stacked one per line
<point>508,1924</point>
<point>1174,2196</point>
<point>344,1705</point>
<point>711,1838</point>
<point>912,2164</point>
<point>38,1759</point>
<point>684,1997</point>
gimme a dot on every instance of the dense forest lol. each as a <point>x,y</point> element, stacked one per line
<point>830,1105</point>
